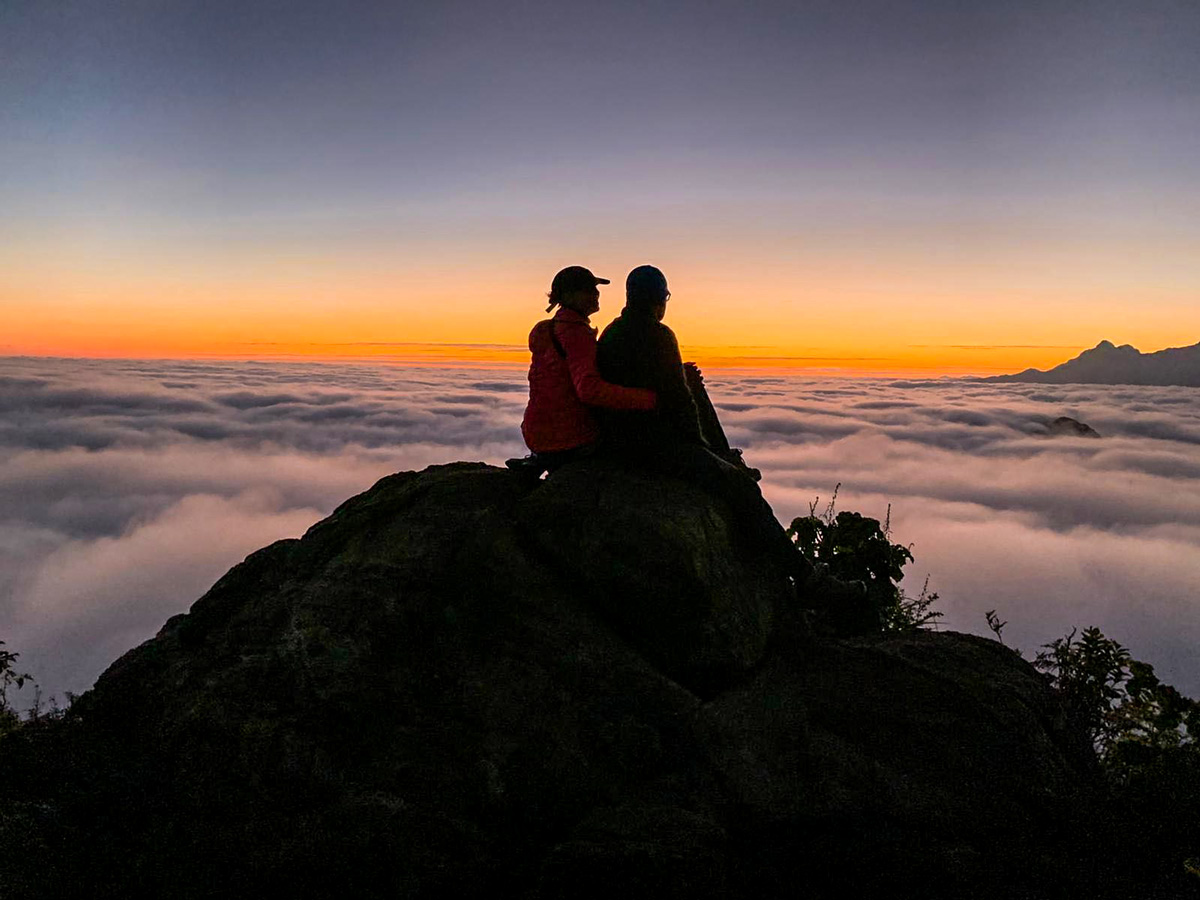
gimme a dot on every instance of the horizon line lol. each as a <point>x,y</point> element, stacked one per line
<point>514,357</point>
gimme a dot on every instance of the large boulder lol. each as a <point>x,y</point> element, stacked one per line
<point>465,684</point>
<point>920,764</point>
<point>663,562</point>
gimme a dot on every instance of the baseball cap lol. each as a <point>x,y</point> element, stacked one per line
<point>572,278</point>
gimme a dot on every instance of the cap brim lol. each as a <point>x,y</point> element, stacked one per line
<point>602,280</point>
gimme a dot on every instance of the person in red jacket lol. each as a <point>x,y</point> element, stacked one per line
<point>563,381</point>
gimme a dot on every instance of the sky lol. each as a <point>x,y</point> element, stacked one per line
<point>936,186</point>
<point>127,488</point>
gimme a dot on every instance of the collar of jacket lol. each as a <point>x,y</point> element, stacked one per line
<point>637,314</point>
<point>569,315</point>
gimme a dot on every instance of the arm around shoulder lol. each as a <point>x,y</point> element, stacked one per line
<point>579,343</point>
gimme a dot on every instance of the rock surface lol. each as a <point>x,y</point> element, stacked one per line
<point>462,684</point>
<point>1065,426</point>
<point>659,560</point>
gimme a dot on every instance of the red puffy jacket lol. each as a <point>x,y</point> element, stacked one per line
<point>562,385</point>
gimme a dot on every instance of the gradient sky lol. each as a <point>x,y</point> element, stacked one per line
<point>863,185</point>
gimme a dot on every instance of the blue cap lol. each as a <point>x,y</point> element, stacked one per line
<point>647,284</point>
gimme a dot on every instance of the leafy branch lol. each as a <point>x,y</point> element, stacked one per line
<point>855,547</point>
<point>1118,699</point>
<point>9,678</point>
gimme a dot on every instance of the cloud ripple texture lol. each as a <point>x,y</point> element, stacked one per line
<point>127,488</point>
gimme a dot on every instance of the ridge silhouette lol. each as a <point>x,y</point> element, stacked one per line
<point>1107,363</point>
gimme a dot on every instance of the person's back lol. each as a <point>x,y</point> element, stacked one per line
<point>638,350</point>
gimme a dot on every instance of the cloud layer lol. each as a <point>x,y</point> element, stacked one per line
<point>127,488</point>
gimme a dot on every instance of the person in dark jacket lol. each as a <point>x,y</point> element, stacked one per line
<point>564,385</point>
<point>638,350</point>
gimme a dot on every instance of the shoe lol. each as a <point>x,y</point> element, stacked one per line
<point>527,466</point>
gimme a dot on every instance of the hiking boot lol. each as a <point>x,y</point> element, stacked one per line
<point>530,466</point>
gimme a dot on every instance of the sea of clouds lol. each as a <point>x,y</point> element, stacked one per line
<point>128,488</point>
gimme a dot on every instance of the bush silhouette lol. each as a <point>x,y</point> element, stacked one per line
<point>857,548</point>
<point>1118,699</point>
<point>1146,736</point>
<point>10,719</point>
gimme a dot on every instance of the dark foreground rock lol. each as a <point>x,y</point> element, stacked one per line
<point>461,684</point>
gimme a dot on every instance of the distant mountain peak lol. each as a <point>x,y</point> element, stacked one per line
<point>1108,363</point>
<point>1110,347</point>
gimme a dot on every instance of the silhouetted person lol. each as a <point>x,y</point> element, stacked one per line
<point>563,381</point>
<point>638,350</point>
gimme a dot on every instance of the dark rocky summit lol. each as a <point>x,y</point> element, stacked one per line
<point>1065,426</point>
<point>1106,363</point>
<point>464,685</point>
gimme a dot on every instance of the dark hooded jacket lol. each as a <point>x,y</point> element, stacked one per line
<point>636,350</point>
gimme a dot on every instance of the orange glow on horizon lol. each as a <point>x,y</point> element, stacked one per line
<point>802,321</point>
<point>927,361</point>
